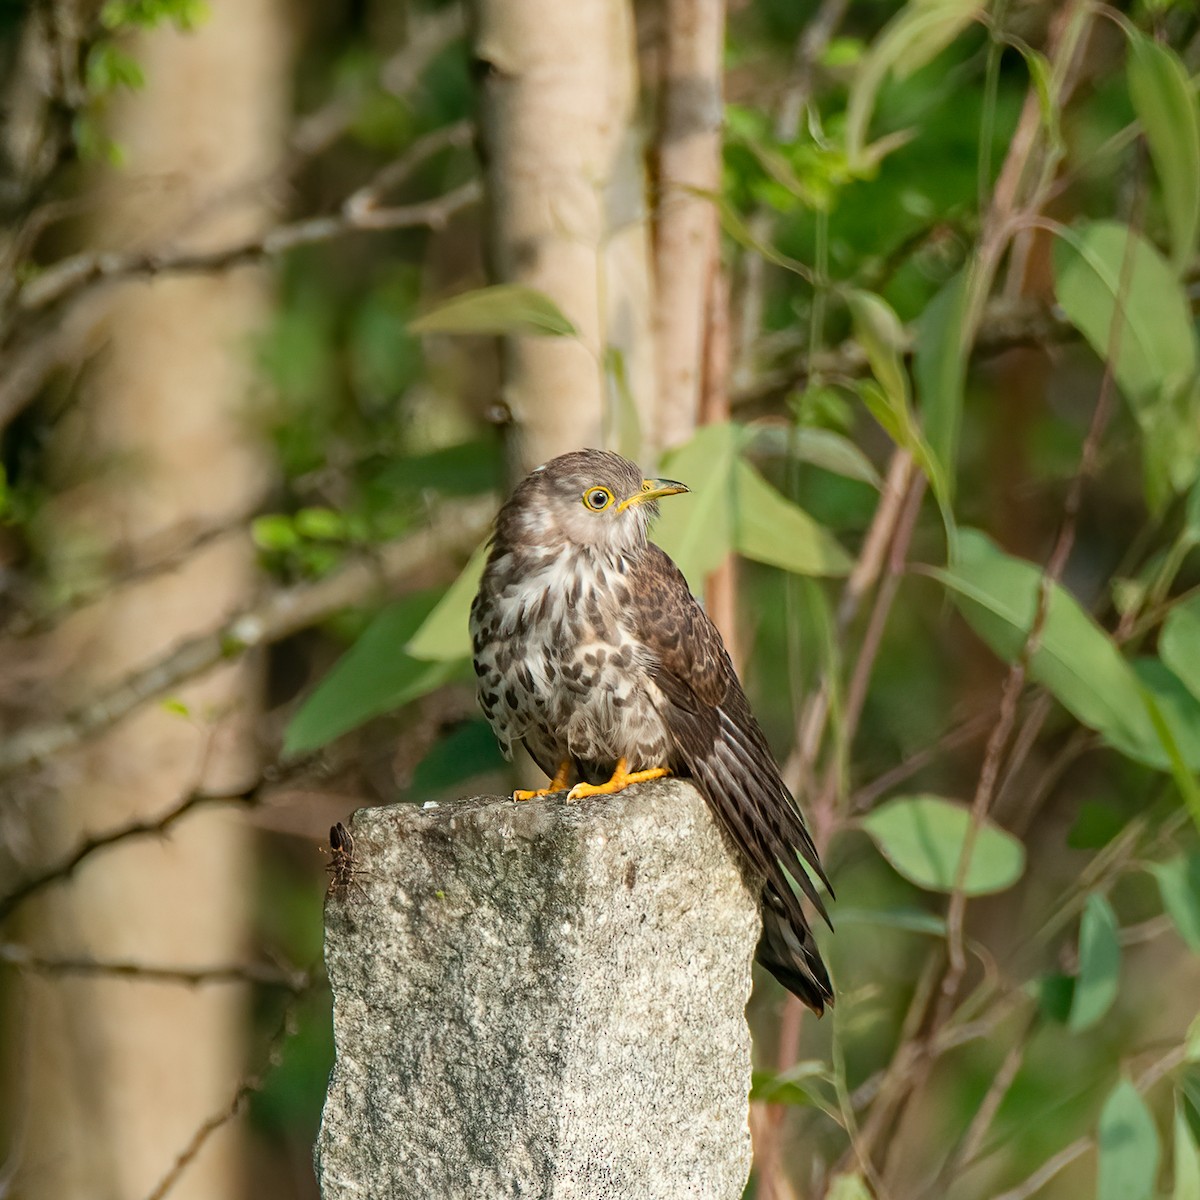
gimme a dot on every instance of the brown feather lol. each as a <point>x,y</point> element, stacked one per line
<point>720,745</point>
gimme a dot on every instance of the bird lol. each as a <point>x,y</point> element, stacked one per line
<point>591,652</point>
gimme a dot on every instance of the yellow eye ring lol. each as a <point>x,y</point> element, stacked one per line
<point>597,499</point>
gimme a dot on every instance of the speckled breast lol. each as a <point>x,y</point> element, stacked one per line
<point>559,665</point>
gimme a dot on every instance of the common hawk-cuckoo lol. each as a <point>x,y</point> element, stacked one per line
<point>592,653</point>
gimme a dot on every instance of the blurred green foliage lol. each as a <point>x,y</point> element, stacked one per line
<point>873,218</point>
<point>914,298</point>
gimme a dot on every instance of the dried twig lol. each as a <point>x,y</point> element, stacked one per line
<point>362,207</point>
<point>825,805</point>
<point>998,742</point>
<point>864,798</point>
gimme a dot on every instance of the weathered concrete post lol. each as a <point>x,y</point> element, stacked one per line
<point>540,1000</point>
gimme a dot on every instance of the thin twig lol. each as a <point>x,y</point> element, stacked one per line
<point>137,564</point>
<point>245,1089</point>
<point>1068,1154</point>
<point>431,33</point>
<point>363,206</point>
<point>825,805</point>
<point>73,275</point>
<point>985,1114</point>
<point>864,798</point>
<point>154,826</point>
<point>1004,326</point>
<point>862,577</point>
<point>45,348</point>
<point>258,974</point>
<point>1064,543</point>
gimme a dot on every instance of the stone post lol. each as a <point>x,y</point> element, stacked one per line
<point>539,1000</point>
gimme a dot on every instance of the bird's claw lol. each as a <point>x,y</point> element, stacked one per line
<point>558,784</point>
<point>621,779</point>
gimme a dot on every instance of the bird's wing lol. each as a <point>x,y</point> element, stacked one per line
<point>720,745</point>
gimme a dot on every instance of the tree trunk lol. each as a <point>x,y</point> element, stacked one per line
<point>685,219</point>
<point>566,191</point>
<point>116,1076</point>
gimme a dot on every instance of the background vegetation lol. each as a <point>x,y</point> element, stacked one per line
<point>267,365</point>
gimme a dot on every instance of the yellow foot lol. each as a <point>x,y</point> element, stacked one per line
<point>561,778</point>
<point>621,779</point>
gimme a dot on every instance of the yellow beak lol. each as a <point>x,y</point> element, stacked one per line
<point>653,489</point>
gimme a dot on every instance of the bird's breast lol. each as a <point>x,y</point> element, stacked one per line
<point>560,665</point>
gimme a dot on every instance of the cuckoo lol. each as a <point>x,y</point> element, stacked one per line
<point>592,653</point>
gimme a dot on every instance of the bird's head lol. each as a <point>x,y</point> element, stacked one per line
<point>590,498</point>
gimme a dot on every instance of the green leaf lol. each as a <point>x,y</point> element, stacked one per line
<point>788,1087</point>
<point>736,228</point>
<point>503,309</point>
<point>1165,103</point>
<point>771,529</point>
<point>1095,826</point>
<point>1186,1158</point>
<point>851,1186</point>
<point>464,753</point>
<point>882,336</point>
<point>697,530</point>
<point>464,469</point>
<point>843,52</point>
<point>374,676</point>
<point>1179,643</point>
<point>1155,343</point>
<point>1141,709</point>
<point>108,68</point>
<point>1099,965</point>
<point>321,524</point>
<point>1179,886</point>
<point>445,635</point>
<point>1041,75</point>
<point>1157,351</point>
<point>1128,1142</point>
<point>918,33</point>
<point>1170,444</point>
<point>731,507</point>
<point>1174,717</point>
<point>1191,1042</point>
<point>923,838</point>
<point>274,532</point>
<point>1054,995</point>
<point>940,355</point>
<point>1191,518</point>
<point>1075,659</point>
<point>819,447</point>
<point>1188,1085</point>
